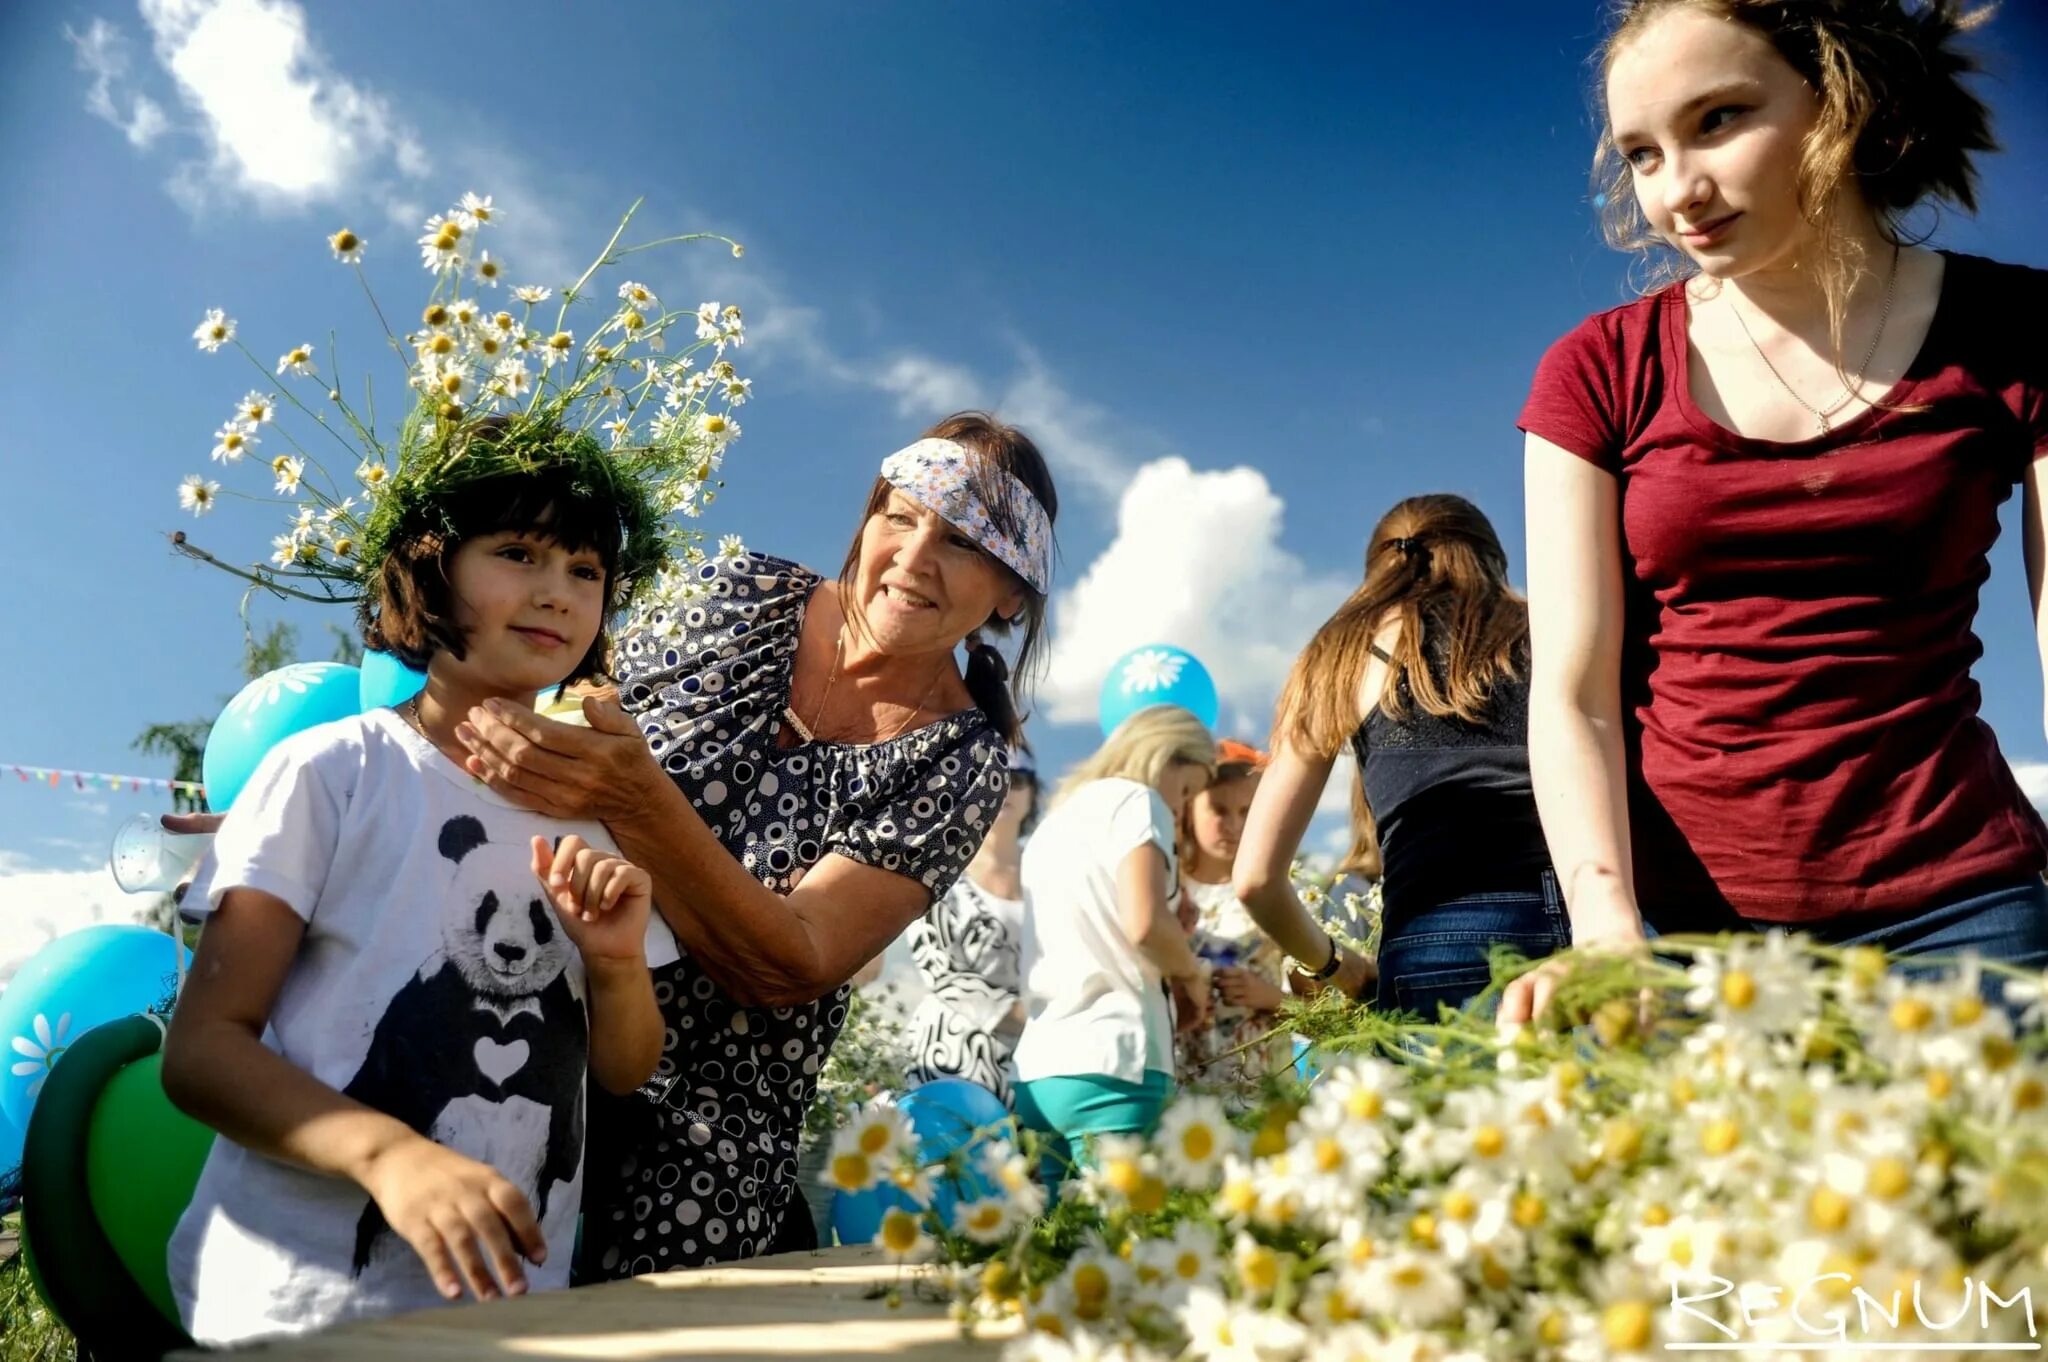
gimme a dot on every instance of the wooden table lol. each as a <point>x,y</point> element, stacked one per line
<point>808,1307</point>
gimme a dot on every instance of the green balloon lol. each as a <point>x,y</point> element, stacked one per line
<point>35,1274</point>
<point>142,1160</point>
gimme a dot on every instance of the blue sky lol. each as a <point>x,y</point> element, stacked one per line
<point>1250,281</point>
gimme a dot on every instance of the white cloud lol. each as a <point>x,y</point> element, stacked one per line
<point>103,54</point>
<point>281,126</point>
<point>38,905</point>
<point>1197,562</point>
<point>1073,434</point>
<point>2033,779</point>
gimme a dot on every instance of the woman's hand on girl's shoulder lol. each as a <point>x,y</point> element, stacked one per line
<point>465,1221</point>
<point>601,898</point>
<point>600,773</point>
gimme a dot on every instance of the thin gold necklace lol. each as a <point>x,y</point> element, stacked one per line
<point>805,730</point>
<point>1826,418</point>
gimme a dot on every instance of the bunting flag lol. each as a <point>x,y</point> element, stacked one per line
<point>101,780</point>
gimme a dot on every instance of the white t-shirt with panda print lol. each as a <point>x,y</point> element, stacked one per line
<point>433,983</point>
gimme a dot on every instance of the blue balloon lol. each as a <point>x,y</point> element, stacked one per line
<point>387,681</point>
<point>1159,674</point>
<point>270,709</point>
<point>949,1115</point>
<point>81,980</point>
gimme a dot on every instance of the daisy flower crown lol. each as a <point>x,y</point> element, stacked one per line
<point>493,388</point>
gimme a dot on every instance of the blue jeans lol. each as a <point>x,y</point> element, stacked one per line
<point>2008,925</point>
<point>1438,955</point>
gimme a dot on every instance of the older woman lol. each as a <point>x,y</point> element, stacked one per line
<point>803,767</point>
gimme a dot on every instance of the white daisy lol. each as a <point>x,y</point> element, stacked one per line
<point>902,1235</point>
<point>718,428</point>
<point>513,377</point>
<point>372,474</point>
<point>196,494</point>
<point>1000,1161</point>
<point>347,246</point>
<point>1415,1288</point>
<point>1754,983</point>
<point>298,361</point>
<point>477,210</point>
<point>442,244</point>
<point>730,546</point>
<point>489,272</point>
<point>532,293</point>
<point>738,390</point>
<point>639,297</point>
<point>290,472</point>
<point>619,428</point>
<point>708,328</point>
<point>216,330</point>
<point>232,441</point>
<point>559,348</point>
<point>1193,1140</point>
<point>254,409</point>
<point>985,1220</point>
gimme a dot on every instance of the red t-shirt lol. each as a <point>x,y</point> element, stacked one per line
<point>1802,736</point>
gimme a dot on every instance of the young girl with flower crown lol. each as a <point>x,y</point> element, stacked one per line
<point>406,978</point>
<point>403,977</point>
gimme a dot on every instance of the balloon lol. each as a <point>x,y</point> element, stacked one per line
<point>78,981</point>
<point>948,1115</point>
<point>270,709</point>
<point>10,1148</point>
<point>1157,675</point>
<point>142,1160</point>
<point>386,681</point>
<point>84,1280</point>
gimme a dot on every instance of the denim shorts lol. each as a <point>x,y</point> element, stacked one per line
<point>1438,955</point>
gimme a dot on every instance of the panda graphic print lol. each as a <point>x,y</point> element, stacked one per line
<point>486,1053</point>
<point>433,983</point>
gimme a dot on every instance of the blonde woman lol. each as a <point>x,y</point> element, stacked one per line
<point>1102,945</point>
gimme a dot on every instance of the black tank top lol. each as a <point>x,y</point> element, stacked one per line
<point>1452,800</point>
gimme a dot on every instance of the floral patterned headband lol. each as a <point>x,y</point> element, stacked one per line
<point>939,475</point>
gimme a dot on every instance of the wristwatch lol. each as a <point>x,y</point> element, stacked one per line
<point>1330,969</point>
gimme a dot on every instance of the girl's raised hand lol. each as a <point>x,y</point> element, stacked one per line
<point>601,898</point>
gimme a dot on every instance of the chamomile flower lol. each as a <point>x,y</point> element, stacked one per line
<point>559,348</point>
<point>620,428</point>
<point>476,210</point>
<point>1193,1140</point>
<point>730,546</point>
<point>717,428</point>
<point>985,1220</point>
<point>216,329</point>
<point>639,297</point>
<point>1412,1286</point>
<point>289,472</point>
<point>489,272</point>
<point>737,391</point>
<point>347,246</point>
<point>532,293</point>
<point>902,1236</point>
<point>232,441</point>
<point>708,327</point>
<point>1010,1170</point>
<point>196,494</point>
<point>512,377</point>
<point>372,474</point>
<point>254,409</point>
<point>443,243</point>
<point>297,361</point>
<point>1754,983</point>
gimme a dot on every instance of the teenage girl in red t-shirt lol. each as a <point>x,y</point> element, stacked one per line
<point>1761,500</point>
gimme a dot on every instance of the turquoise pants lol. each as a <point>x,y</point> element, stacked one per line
<point>1074,1105</point>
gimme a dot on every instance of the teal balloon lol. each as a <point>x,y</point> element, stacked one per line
<point>79,981</point>
<point>1159,674</point>
<point>949,1115</point>
<point>10,1146</point>
<point>386,681</point>
<point>270,709</point>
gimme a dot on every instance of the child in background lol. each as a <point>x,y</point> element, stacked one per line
<point>1238,1047</point>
